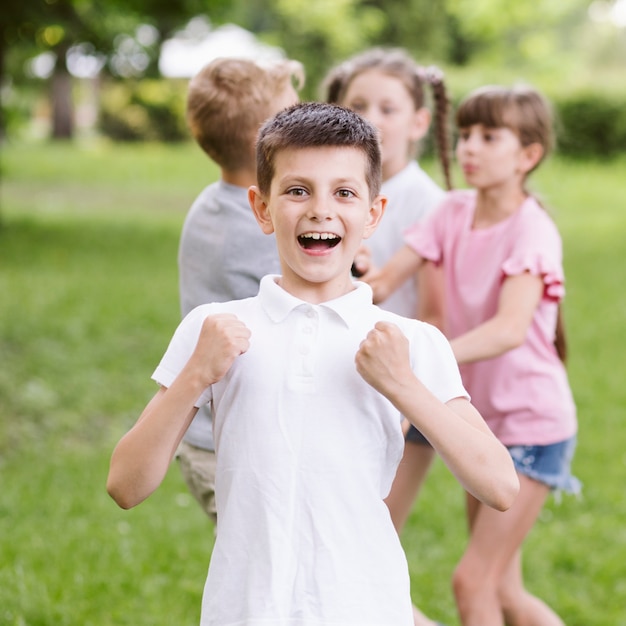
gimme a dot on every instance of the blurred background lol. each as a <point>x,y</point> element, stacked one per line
<point>97,173</point>
<point>120,68</point>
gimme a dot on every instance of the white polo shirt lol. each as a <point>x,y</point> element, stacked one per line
<point>306,452</point>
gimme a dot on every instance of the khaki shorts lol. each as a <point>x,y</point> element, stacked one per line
<point>197,466</point>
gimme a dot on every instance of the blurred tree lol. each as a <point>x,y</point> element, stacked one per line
<point>317,34</point>
<point>56,26</point>
<point>421,26</point>
<point>128,33</point>
<point>518,32</point>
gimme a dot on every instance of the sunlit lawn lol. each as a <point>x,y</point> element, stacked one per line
<point>88,300</point>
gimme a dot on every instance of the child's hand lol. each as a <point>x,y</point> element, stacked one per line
<point>362,262</point>
<point>364,269</point>
<point>383,358</point>
<point>222,339</point>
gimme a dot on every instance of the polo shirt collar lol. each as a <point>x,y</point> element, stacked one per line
<point>278,304</point>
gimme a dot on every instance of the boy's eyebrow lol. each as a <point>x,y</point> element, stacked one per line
<point>336,181</point>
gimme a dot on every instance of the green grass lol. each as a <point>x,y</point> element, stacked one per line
<point>88,301</point>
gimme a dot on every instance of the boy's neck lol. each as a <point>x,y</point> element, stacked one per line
<point>240,178</point>
<point>316,293</point>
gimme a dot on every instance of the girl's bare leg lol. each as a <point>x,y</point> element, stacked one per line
<point>520,607</point>
<point>487,582</point>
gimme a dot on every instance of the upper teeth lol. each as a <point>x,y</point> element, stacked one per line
<point>319,236</point>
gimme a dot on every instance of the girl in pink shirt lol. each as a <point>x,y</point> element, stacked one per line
<point>501,257</point>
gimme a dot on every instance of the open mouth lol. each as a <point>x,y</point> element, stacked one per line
<point>318,241</point>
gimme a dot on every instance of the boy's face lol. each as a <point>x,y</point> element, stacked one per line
<point>320,209</point>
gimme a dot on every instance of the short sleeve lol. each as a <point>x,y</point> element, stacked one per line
<point>434,363</point>
<point>428,238</point>
<point>180,349</point>
<point>422,238</point>
<point>538,250</point>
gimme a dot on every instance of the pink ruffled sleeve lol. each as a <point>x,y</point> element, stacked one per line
<point>552,276</point>
<point>538,250</point>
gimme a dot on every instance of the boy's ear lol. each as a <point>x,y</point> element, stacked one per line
<point>531,155</point>
<point>376,213</point>
<point>260,209</point>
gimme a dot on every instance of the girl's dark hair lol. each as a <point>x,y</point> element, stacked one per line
<point>528,114</point>
<point>397,63</point>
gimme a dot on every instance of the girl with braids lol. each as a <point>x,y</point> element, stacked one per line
<point>387,87</point>
<point>501,257</point>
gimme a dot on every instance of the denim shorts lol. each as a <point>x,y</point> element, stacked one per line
<point>415,436</point>
<point>549,464</point>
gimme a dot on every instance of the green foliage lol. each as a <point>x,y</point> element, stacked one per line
<point>317,39</point>
<point>147,110</point>
<point>591,124</point>
<point>88,254</point>
<point>517,31</point>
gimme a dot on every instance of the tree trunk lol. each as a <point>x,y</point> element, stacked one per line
<point>61,98</point>
<point>3,128</point>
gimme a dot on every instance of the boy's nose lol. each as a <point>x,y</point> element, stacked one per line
<point>320,210</point>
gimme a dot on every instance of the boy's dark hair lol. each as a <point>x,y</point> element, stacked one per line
<point>229,99</point>
<point>317,125</point>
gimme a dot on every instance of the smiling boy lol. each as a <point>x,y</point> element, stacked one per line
<point>308,382</point>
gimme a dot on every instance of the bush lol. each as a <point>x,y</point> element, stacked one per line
<point>591,125</point>
<point>146,110</point>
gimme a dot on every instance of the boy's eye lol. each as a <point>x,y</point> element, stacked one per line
<point>296,191</point>
<point>345,193</point>
<point>464,135</point>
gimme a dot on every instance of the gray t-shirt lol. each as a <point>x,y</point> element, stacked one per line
<point>222,256</point>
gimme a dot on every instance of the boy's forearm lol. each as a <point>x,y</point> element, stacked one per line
<point>142,457</point>
<point>477,459</point>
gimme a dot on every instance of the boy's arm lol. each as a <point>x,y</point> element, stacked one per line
<point>401,266</point>
<point>141,458</point>
<point>455,429</point>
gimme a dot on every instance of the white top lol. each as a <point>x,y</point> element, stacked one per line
<point>412,195</point>
<point>306,452</point>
